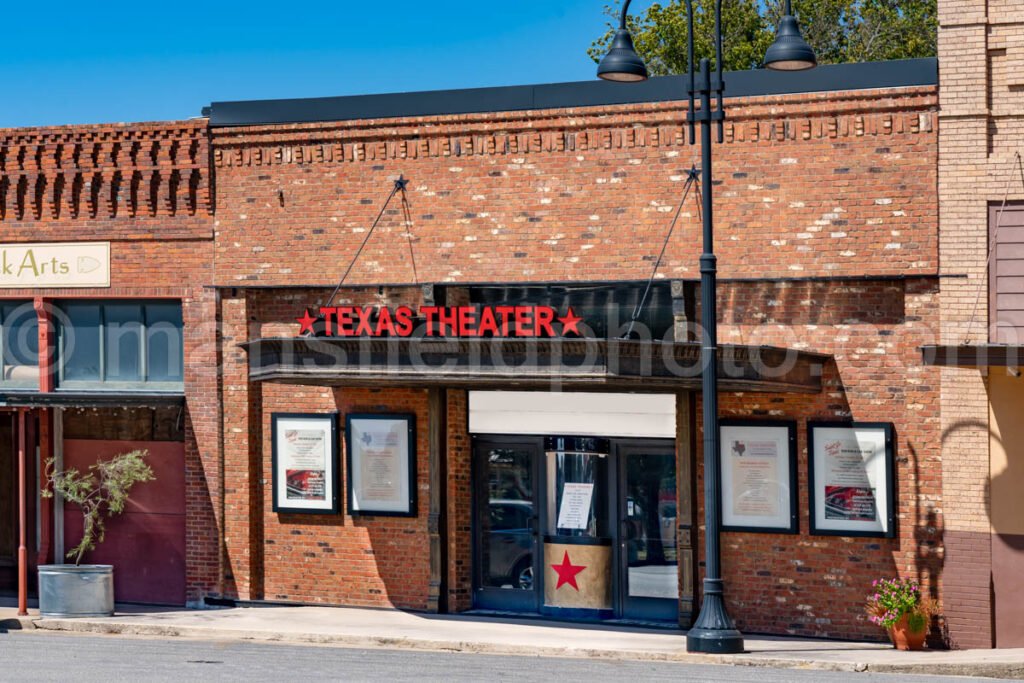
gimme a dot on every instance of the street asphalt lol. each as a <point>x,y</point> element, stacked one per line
<point>110,659</point>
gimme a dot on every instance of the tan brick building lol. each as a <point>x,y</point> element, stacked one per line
<point>981,52</point>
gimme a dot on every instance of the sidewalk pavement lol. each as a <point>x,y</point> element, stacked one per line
<point>393,629</point>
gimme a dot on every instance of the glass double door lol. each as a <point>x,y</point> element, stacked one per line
<point>576,527</point>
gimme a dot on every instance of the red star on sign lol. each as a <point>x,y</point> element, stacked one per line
<point>570,323</point>
<point>567,572</point>
<point>307,323</point>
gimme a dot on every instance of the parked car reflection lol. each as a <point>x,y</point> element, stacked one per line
<point>510,551</point>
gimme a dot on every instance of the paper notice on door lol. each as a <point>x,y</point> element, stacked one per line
<point>574,512</point>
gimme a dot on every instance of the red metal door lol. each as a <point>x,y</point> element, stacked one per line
<point>146,544</point>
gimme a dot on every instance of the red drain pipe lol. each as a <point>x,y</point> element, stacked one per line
<point>23,520</point>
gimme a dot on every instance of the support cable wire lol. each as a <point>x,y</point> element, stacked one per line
<point>407,214</point>
<point>1018,165</point>
<point>399,187</point>
<point>693,176</point>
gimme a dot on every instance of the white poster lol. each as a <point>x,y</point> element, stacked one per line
<point>850,473</point>
<point>574,512</point>
<point>757,473</point>
<point>304,463</point>
<point>380,469</point>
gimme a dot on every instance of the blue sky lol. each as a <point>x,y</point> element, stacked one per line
<point>141,61</point>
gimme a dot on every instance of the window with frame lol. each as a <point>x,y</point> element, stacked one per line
<point>19,346</point>
<point>121,345</point>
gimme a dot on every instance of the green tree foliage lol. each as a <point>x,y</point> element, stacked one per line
<point>838,30</point>
<point>101,491</point>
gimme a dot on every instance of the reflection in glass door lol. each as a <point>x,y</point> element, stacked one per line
<point>506,524</point>
<point>649,564</point>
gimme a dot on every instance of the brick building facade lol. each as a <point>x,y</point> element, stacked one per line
<point>582,196</point>
<point>828,238</point>
<point>143,191</point>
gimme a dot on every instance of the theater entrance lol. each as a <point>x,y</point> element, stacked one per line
<point>576,527</point>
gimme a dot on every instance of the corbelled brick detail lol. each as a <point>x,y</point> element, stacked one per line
<point>755,119</point>
<point>108,175</point>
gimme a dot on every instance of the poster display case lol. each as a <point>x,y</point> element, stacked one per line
<point>851,478</point>
<point>304,458</point>
<point>759,476</point>
<point>381,454</point>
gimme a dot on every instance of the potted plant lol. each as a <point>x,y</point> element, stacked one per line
<point>898,606</point>
<point>101,492</point>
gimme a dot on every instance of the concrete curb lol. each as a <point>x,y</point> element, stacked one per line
<point>982,669</point>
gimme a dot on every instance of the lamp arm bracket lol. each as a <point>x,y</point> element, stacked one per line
<point>623,23</point>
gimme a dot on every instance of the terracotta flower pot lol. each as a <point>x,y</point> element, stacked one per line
<point>905,639</point>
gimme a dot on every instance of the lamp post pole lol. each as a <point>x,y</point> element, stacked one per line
<point>714,630</point>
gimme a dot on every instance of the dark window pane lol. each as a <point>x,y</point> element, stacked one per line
<point>164,344</point>
<point>123,342</point>
<point>20,345</point>
<point>650,526</point>
<point>81,343</point>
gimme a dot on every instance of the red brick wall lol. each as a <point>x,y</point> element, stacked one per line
<point>145,188</point>
<point>241,446</point>
<point>460,504</point>
<point>328,559</point>
<point>838,185</point>
<point>340,559</point>
<point>826,185</point>
<point>816,585</point>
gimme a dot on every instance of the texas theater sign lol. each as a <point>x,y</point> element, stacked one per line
<point>440,321</point>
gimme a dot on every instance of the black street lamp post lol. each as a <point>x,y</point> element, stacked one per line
<point>714,631</point>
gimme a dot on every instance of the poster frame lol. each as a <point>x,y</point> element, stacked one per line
<point>410,463</point>
<point>793,479</point>
<point>331,507</point>
<point>889,514</point>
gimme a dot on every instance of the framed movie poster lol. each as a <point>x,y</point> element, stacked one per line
<point>851,478</point>
<point>381,453</point>
<point>305,457</point>
<point>759,479</point>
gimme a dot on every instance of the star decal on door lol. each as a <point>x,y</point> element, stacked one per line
<point>567,572</point>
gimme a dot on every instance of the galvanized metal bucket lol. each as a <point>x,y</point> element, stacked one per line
<point>67,590</point>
